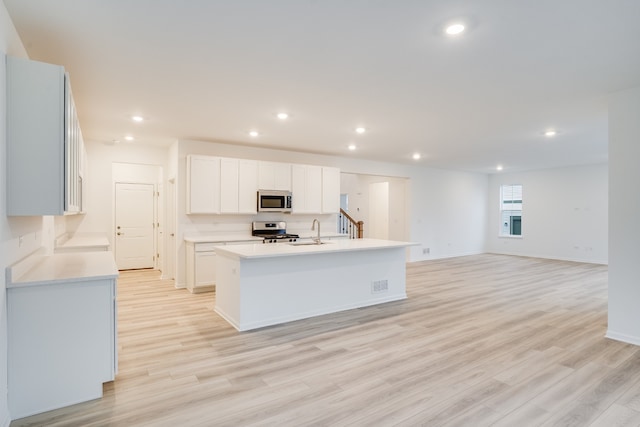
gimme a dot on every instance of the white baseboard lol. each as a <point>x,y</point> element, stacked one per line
<point>570,259</point>
<point>629,339</point>
<point>435,257</point>
<point>180,285</point>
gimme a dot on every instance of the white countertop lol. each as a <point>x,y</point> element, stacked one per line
<point>215,238</point>
<point>65,268</point>
<point>329,246</point>
<point>88,240</point>
<point>219,238</point>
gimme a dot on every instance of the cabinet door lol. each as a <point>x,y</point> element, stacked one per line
<point>266,175</point>
<point>282,177</point>
<point>35,152</point>
<point>229,172</point>
<point>313,196</point>
<point>203,185</point>
<point>274,176</point>
<point>205,268</point>
<point>72,153</point>
<point>298,188</point>
<point>248,186</point>
<point>330,190</point>
<point>306,188</point>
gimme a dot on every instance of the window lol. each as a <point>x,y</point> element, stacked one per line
<point>511,210</point>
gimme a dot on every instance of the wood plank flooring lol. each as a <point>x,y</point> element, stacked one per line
<point>482,340</point>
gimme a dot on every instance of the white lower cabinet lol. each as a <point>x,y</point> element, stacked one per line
<point>201,264</point>
<point>61,344</point>
<point>201,267</point>
<point>205,269</point>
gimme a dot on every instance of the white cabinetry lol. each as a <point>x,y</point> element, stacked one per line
<point>238,193</point>
<point>203,185</point>
<point>274,176</point>
<point>218,185</point>
<point>201,266</point>
<point>330,190</point>
<point>61,330</point>
<point>44,142</point>
<point>306,188</point>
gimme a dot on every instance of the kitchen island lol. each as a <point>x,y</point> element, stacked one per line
<point>261,285</point>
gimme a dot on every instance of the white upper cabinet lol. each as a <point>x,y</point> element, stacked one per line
<point>248,187</point>
<point>229,171</point>
<point>330,190</point>
<point>44,142</point>
<point>306,189</point>
<point>238,193</point>
<point>219,185</point>
<point>274,176</point>
<point>203,185</point>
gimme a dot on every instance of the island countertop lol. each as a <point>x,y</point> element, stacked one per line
<point>303,248</point>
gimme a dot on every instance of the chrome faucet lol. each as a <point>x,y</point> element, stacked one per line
<point>313,227</point>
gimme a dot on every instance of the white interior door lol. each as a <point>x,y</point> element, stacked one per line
<point>379,210</point>
<point>134,206</point>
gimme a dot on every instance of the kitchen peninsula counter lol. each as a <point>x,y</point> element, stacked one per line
<point>260,285</point>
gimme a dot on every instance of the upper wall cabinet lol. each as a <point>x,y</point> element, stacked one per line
<point>330,190</point>
<point>44,142</point>
<point>203,185</point>
<point>238,193</point>
<point>218,185</point>
<point>306,183</point>
<point>274,176</point>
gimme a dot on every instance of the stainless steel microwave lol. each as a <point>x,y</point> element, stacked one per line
<point>274,201</point>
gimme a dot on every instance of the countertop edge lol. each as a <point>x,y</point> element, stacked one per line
<point>61,268</point>
<point>331,248</point>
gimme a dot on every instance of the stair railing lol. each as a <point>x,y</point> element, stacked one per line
<point>350,226</point>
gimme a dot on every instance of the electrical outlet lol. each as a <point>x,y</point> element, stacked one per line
<point>20,239</point>
<point>426,251</point>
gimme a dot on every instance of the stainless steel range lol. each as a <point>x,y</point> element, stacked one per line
<point>272,232</point>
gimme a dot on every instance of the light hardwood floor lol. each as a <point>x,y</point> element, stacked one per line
<point>481,340</point>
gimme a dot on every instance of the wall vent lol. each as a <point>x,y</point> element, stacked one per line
<point>378,286</point>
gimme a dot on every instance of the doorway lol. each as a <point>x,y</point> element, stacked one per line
<point>134,223</point>
<point>379,210</point>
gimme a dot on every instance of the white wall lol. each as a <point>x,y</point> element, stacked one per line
<point>564,214</point>
<point>10,228</point>
<point>624,223</point>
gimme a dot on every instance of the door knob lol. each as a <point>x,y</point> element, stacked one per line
<point>119,233</point>
<point>118,227</point>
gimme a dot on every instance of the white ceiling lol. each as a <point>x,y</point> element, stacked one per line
<point>213,70</point>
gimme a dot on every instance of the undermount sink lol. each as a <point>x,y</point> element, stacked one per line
<point>307,243</point>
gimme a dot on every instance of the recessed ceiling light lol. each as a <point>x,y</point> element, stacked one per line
<point>129,138</point>
<point>550,133</point>
<point>360,130</point>
<point>416,156</point>
<point>454,29</point>
<point>254,134</point>
<point>499,167</point>
<point>283,116</point>
<point>137,118</point>
<point>352,147</point>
